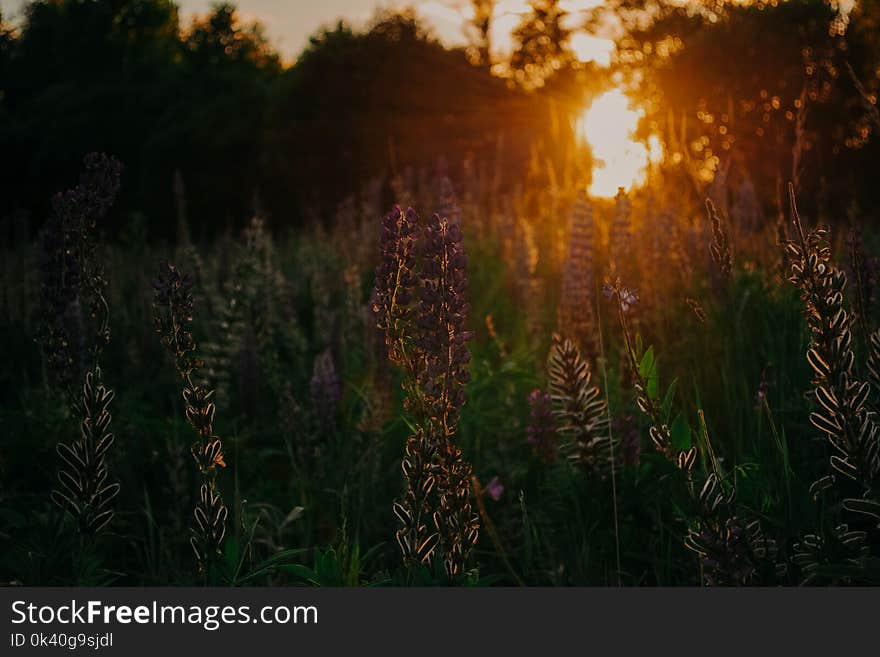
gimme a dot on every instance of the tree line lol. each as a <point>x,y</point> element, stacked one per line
<point>763,92</point>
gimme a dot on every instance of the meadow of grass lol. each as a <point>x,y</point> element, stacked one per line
<point>582,392</point>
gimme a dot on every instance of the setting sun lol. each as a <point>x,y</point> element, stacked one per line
<point>608,127</point>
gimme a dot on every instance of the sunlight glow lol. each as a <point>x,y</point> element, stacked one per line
<point>608,127</point>
<point>589,48</point>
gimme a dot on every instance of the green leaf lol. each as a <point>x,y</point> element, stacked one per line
<point>648,371</point>
<point>647,364</point>
<point>680,433</point>
<point>668,399</point>
<point>277,562</point>
<point>303,572</point>
<point>328,568</point>
<point>281,557</point>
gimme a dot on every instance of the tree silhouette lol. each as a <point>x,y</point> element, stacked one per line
<point>480,26</point>
<point>124,77</point>
<point>365,105</point>
<point>761,86</point>
<point>540,43</point>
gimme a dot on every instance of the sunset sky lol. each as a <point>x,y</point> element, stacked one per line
<point>290,22</point>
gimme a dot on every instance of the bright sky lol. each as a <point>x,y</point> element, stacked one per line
<point>289,23</point>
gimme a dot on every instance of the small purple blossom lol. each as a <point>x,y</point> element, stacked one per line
<point>495,489</point>
<point>625,297</point>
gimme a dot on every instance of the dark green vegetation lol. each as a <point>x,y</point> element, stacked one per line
<point>706,415</point>
<point>212,105</point>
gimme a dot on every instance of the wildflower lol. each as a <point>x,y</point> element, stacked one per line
<point>541,433</point>
<point>813,552</point>
<point>447,206</point>
<point>579,409</point>
<point>173,305</point>
<point>430,342</point>
<point>325,388</point>
<point>417,540</point>
<point>842,414</point>
<point>444,356</point>
<point>719,247</point>
<point>84,491</point>
<point>395,278</point>
<point>620,246</point>
<point>443,308</point>
<point>626,298</point>
<point>494,489</point>
<point>73,281</point>
<point>732,552</point>
<point>575,313</point>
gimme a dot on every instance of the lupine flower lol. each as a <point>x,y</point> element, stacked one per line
<point>731,551</point>
<point>73,281</point>
<point>874,360</point>
<point>173,305</point>
<point>59,288</point>
<point>325,389</point>
<point>575,316</point>
<point>431,345</point>
<point>79,210</point>
<point>620,237</point>
<point>94,195</point>
<point>815,555</point>
<point>85,492</point>
<point>843,413</point>
<point>72,274</point>
<point>444,357</point>
<point>578,407</point>
<point>395,277</point>
<point>746,211</point>
<point>541,433</point>
<point>417,537</point>
<point>447,202</point>
<point>457,524</point>
<point>442,338</point>
<point>719,248</point>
